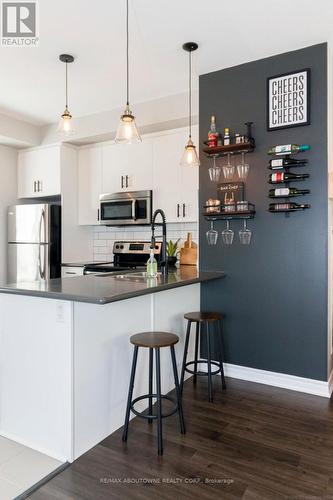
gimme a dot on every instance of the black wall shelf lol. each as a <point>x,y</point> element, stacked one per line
<point>221,214</point>
<point>288,210</point>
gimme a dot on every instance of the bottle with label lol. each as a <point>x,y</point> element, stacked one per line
<point>285,207</point>
<point>286,177</point>
<point>212,134</point>
<point>288,149</point>
<point>151,265</point>
<point>226,137</point>
<point>286,192</point>
<point>277,163</point>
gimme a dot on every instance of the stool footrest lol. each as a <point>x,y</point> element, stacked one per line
<point>150,417</point>
<point>196,372</point>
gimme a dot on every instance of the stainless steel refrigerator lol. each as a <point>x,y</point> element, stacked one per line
<point>34,242</point>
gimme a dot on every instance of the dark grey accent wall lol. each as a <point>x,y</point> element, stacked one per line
<point>275,293</point>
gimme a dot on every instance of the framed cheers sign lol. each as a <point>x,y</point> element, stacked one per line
<point>288,100</point>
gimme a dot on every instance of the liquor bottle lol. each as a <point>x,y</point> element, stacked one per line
<point>277,163</point>
<point>283,192</point>
<point>282,207</point>
<point>226,138</point>
<point>212,134</point>
<point>288,149</point>
<point>286,176</point>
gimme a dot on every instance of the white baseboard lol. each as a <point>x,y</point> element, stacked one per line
<point>291,382</point>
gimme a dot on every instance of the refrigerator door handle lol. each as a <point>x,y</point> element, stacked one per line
<point>41,224</point>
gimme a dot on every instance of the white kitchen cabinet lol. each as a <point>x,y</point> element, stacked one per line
<point>175,188</point>
<point>39,172</point>
<point>90,184</point>
<point>127,167</point>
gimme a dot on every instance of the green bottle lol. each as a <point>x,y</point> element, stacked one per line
<point>151,265</point>
<point>288,149</point>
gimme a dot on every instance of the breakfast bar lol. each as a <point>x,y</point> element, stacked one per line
<point>65,355</point>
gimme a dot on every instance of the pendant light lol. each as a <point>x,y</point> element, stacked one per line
<point>127,132</point>
<point>65,127</point>
<point>190,155</point>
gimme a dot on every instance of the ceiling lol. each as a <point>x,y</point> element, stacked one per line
<point>228,33</point>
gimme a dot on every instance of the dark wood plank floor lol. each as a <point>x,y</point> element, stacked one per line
<point>253,442</point>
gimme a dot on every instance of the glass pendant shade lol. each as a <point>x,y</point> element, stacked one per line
<point>127,132</point>
<point>190,156</point>
<point>65,127</point>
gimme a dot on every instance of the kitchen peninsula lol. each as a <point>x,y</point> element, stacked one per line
<point>65,353</point>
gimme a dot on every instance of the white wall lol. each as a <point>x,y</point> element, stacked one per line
<point>8,190</point>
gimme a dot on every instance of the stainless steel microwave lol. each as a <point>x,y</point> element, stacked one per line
<point>126,209</point>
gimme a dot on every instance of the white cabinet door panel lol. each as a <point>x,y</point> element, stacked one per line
<point>90,185</point>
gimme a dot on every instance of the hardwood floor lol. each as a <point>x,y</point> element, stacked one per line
<point>253,442</point>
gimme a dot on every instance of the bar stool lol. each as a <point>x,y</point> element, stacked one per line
<point>154,341</point>
<point>211,323</point>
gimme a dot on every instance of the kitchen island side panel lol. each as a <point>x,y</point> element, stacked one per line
<point>36,374</point>
<point>274,295</point>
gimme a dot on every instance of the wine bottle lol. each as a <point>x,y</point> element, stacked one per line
<point>286,176</point>
<point>212,134</point>
<point>288,149</point>
<point>226,137</point>
<point>283,192</point>
<point>278,163</point>
<point>282,207</point>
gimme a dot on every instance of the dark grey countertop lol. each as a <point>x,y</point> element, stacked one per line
<point>103,289</point>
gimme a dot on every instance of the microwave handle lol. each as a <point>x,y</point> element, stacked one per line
<point>134,209</point>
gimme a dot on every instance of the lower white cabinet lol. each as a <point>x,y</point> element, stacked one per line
<point>39,172</point>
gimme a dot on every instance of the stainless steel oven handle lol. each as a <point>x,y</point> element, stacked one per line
<point>134,205</point>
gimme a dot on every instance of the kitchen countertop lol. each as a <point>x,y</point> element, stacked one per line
<point>103,289</point>
<point>82,264</point>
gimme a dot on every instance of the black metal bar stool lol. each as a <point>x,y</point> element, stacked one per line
<point>154,340</point>
<point>211,323</point>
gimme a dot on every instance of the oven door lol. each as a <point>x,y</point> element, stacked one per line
<point>126,211</point>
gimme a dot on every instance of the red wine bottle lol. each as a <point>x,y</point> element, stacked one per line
<point>277,163</point>
<point>286,176</point>
<point>282,207</point>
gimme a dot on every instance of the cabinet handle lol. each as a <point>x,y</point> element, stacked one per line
<point>34,186</point>
<point>178,210</point>
<point>127,181</point>
<point>39,188</point>
<point>98,214</point>
<point>122,182</point>
<point>184,212</point>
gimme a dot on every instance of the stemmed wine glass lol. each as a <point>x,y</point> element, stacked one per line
<point>245,234</point>
<point>212,234</point>
<point>243,168</point>
<point>228,169</point>
<point>214,171</point>
<point>227,235</point>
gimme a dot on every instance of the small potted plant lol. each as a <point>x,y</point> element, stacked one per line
<point>172,248</point>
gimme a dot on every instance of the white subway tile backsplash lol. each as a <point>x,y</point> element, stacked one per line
<point>104,236</point>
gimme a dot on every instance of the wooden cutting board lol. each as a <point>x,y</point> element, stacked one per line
<point>189,253</point>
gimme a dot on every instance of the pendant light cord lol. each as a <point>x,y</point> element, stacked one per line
<point>66,85</point>
<point>190,94</point>
<point>127,55</point>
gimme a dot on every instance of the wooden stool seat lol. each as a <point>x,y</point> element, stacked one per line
<point>200,317</point>
<point>154,340</point>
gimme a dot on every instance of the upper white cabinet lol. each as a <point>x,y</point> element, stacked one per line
<point>175,188</point>
<point>90,184</point>
<point>151,164</point>
<point>39,172</point>
<point>127,167</point>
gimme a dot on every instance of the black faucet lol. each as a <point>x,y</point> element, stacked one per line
<point>163,261</point>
